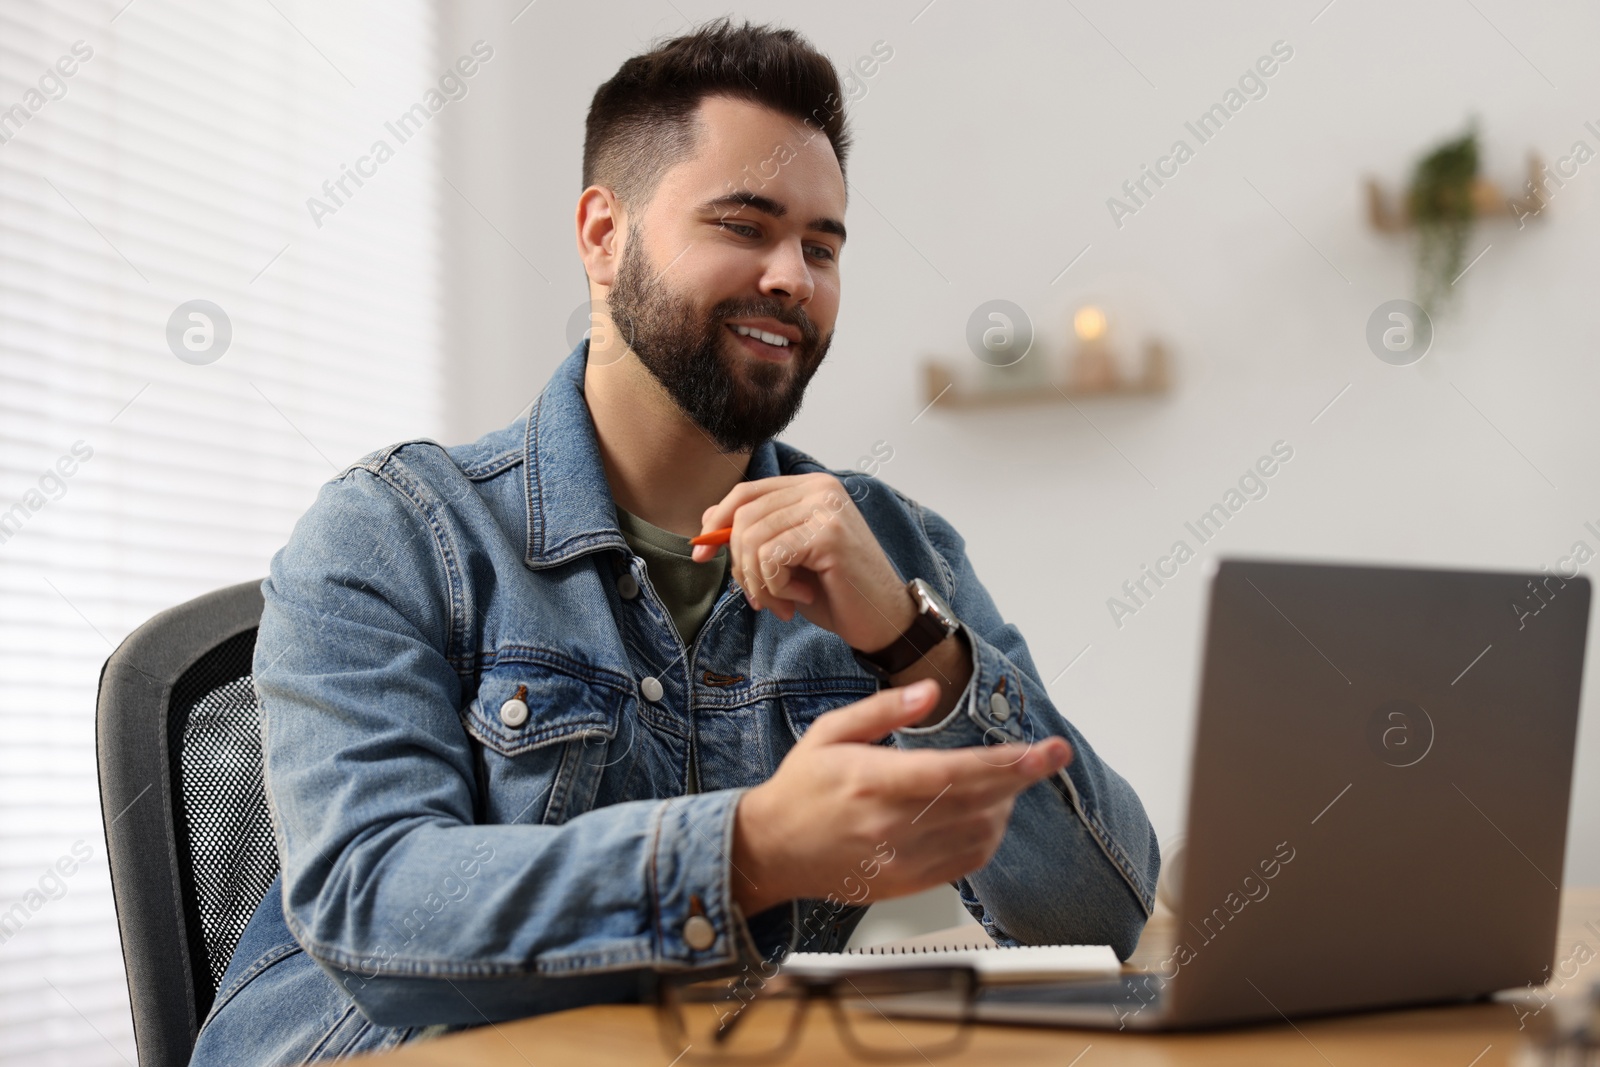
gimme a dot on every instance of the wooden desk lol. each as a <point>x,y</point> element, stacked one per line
<point>1476,1035</point>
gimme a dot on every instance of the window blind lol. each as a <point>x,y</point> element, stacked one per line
<point>153,154</point>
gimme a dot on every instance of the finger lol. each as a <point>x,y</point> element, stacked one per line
<point>784,587</point>
<point>706,553</point>
<point>794,587</point>
<point>780,578</point>
<point>781,575</point>
<point>753,529</point>
<point>977,774</point>
<point>786,521</point>
<point>745,566</point>
<point>781,536</point>
<point>743,581</point>
<point>1027,762</point>
<point>949,841</point>
<point>783,607</point>
<point>720,514</point>
<point>1035,757</point>
<point>872,719</point>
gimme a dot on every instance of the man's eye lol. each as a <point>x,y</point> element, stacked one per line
<point>820,251</point>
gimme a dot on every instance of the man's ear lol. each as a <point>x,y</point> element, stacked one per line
<point>600,222</point>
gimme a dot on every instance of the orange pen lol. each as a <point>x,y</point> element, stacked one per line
<point>715,537</point>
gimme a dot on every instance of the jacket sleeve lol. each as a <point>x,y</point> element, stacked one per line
<point>420,912</point>
<point>1079,861</point>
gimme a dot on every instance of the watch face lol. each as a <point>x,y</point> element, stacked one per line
<point>934,604</point>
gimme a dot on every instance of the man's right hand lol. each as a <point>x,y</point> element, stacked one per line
<point>838,797</point>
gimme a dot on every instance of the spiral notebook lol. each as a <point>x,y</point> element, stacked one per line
<point>995,964</point>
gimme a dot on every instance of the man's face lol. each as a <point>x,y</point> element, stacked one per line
<point>700,262</point>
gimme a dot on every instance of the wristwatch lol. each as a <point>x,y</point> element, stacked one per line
<point>934,622</point>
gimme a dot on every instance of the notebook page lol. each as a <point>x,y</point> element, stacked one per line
<point>993,963</point>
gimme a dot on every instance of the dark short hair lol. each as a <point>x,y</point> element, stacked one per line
<point>643,121</point>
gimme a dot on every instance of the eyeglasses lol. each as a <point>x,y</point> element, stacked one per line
<point>904,1014</point>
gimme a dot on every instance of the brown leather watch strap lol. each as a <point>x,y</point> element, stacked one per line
<point>924,632</point>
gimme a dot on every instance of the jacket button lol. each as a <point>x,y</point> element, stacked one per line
<point>651,688</point>
<point>999,707</point>
<point>627,585</point>
<point>698,933</point>
<point>514,712</point>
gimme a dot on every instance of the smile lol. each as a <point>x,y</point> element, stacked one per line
<point>766,345</point>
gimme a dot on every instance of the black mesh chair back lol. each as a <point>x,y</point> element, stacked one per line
<point>177,735</point>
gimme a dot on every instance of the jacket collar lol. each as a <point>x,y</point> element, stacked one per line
<point>570,509</point>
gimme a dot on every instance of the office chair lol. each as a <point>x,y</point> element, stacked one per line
<point>187,832</point>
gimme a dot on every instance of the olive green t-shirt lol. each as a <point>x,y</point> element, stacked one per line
<point>688,589</point>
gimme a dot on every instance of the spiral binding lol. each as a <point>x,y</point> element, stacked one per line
<point>910,950</point>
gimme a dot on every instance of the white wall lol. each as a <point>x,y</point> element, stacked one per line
<point>986,149</point>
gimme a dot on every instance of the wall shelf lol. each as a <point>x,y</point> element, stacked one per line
<point>941,385</point>
<point>1392,215</point>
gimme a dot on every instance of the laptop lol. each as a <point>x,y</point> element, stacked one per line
<point>1378,799</point>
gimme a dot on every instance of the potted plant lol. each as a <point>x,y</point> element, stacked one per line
<point>1441,202</point>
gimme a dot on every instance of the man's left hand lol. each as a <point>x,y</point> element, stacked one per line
<point>799,544</point>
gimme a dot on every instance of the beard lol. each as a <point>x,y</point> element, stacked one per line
<point>738,400</point>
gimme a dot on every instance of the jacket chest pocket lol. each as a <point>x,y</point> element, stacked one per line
<point>809,672</point>
<point>804,702</point>
<point>547,730</point>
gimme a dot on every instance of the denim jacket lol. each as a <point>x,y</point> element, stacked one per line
<point>478,721</point>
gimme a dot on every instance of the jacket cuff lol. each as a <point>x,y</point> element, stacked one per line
<point>692,878</point>
<point>991,710</point>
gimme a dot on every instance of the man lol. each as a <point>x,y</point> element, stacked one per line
<point>526,746</point>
